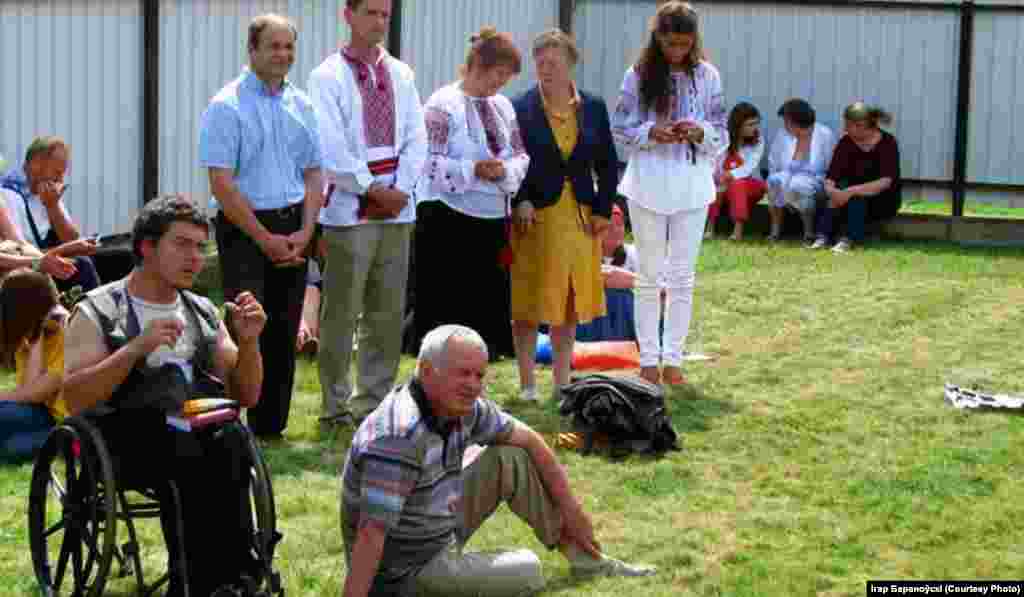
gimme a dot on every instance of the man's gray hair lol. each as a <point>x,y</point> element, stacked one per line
<point>434,348</point>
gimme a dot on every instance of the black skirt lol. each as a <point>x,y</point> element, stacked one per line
<point>459,278</point>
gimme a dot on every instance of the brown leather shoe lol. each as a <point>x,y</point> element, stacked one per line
<point>673,376</point>
<point>651,374</point>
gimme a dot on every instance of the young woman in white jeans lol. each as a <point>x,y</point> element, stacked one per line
<point>672,120</point>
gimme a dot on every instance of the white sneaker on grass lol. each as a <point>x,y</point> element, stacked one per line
<point>843,246</point>
<point>819,243</point>
<point>528,394</point>
<point>609,567</point>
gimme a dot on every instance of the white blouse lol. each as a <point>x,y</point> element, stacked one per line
<point>461,131</point>
<point>750,160</point>
<point>823,143</point>
<point>667,178</point>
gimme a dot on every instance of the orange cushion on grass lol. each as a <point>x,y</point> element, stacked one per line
<point>602,356</point>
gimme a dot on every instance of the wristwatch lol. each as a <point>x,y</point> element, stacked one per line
<point>36,263</point>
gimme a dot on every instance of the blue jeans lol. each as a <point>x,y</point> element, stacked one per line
<point>23,429</point>
<point>855,214</point>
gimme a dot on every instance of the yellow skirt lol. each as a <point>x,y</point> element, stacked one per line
<point>555,257</point>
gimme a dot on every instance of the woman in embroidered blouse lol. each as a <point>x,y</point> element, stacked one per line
<point>560,213</point>
<point>475,164</point>
<point>672,118</point>
<point>797,162</point>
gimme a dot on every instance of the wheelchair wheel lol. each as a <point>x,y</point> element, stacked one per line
<point>264,513</point>
<point>71,514</point>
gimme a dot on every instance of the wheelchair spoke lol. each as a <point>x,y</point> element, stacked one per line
<point>56,527</point>
<point>76,565</point>
<point>57,487</point>
<point>62,561</point>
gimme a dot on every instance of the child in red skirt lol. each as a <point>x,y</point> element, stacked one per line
<point>736,172</point>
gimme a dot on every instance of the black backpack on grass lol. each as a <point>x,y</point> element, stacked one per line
<point>629,411</point>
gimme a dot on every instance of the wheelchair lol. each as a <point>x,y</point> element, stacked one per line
<point>75,505</point>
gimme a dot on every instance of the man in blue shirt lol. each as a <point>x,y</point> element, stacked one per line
<point>259,140</point>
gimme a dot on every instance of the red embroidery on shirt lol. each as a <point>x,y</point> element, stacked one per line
<point>378,96</point>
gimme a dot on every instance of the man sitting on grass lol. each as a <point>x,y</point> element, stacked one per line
<point>410,503</point>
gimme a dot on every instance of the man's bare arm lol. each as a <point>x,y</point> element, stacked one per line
<point>366,554</point>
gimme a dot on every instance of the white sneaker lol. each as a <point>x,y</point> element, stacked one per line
<point>528,394</point>
<point>843,246</point>
<point>819,243</point>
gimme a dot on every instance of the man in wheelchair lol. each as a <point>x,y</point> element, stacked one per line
<point>137,349</point>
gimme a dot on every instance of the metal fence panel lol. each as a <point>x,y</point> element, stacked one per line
<point>903,59</point>
<point>996,126</point>
<point>72,68</point>
<point>435,35</point>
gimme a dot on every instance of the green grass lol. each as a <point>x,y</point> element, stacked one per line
<point>975,209</point>
<point>818,450</point>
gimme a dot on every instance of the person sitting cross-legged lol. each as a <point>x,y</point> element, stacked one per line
<point>135,350</point>
<point>411,498</point>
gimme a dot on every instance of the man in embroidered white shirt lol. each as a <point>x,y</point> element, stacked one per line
<point>374,147</point>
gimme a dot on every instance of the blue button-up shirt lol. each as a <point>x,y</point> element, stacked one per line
<point>267,139</point>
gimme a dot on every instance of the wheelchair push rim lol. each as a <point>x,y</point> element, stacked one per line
<point>71,516</point>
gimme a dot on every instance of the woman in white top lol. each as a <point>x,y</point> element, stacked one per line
<point>671,117</point>
<point>797,163</point>
<point>476,163</point>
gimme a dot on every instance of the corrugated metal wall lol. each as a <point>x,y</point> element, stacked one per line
<point>435,35</point>
<point>73,68</point>
<point>202,47</point>
<point>904,60</point>
<point>996,139</point>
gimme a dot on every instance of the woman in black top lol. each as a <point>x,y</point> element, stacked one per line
<point>863,181</point>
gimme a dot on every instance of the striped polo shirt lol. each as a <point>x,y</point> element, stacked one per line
<point>404,473</point>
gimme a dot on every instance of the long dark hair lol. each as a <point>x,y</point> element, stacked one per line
<point>741,113</point>
<point>26,298</point>
<point>653,68</point>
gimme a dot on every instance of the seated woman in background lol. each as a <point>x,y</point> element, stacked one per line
<point>32,335</point>
<point>618,270</point>
<point>736,170</point>
<point>863,183</point>
<point>797,162</point>
<point>307,341</point>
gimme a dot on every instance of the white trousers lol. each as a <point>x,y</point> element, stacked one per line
<point>667,250</point>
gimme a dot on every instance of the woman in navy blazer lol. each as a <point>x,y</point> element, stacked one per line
<point>559,213</point>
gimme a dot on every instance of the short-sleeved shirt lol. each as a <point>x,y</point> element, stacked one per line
<point>53,360</point>
<point>404,474</point>
<point>27,209</point>
<point>851,166</point>
<point>268,139</point>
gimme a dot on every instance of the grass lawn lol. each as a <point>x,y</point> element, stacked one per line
<point>819,452</point>
<point>972,209</point>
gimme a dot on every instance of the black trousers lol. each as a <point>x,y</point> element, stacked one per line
<point>211,471</point>
<point>280,290</point>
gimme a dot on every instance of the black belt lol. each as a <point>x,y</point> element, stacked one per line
<point>281,212</point>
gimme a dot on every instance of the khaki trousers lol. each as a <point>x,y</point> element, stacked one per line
<point>500,475</point>
<point>366,273</point>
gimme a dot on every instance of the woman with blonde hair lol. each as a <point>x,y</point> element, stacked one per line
<point>475,165</point>
<point>560,214</point>
<point>863,182</point>
<point>671,116</point>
